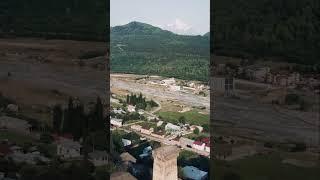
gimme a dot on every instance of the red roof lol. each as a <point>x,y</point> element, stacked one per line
<point>205,140</point>
<point>198,143</point>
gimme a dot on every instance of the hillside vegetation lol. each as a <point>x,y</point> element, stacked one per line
<point>145,49</point>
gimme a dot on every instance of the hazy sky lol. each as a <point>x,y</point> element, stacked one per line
<point>179,16</point>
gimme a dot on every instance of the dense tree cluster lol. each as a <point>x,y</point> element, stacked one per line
<point>140,102</point>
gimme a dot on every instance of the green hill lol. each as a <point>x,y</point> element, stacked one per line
<point>144,49</point>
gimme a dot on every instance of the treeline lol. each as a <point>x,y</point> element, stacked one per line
<point>73,119</point>
<point>284,29</point>
<point>188,67</point>
<point>63,19</point>
<point>140,102</point>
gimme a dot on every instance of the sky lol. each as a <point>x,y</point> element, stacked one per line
<point>188,17</point>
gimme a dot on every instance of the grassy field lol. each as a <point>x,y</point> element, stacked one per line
<point>192,117</point>
<point>15,137</point>
<point>262,167</point>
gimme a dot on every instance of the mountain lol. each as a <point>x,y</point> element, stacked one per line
<point>137,36</point>
<point>145,49</point>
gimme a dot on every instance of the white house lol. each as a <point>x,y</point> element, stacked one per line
<point>171,127</point>
<point>185,142</point>
<point>67,148</point>
<point>126,142</point>
<point>116,122</point>
<point>131,108</point>
<point>159,123</point>
<point>99,158</point>
<point>118,111</point>
<point>174,88</point>
<point>193,127</point>
<point>169,81</point>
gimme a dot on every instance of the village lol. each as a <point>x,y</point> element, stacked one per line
<point>135,114</point>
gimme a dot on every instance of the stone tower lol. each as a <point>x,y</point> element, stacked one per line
<point>165,163</point>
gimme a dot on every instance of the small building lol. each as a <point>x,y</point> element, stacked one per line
<point>126,142</point>
<point>67,148</point>
<point>99,158</point>
<point>198,145</point>
<point>193,173</point>
<point>169,81</point>
<point>15,124</point>
<point>172,128</point>
<point>131,108</point>
<point>116,122</point>
<point>174,88</point>
<point>159,123</point>
<point>193,127</point>
<point>224,85</point>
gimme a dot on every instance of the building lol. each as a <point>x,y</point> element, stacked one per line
<point>193,173</point>
<point>118,111</point>
<point>169,81</point>
<point>116,122</point>
<point>29,158</point>
<point>158,134</point>
<point>172,128</point>
<point>159,123</point>
<point>258,74</point>
<point>99,158</point>
<point>126,142</point>
<point>165,163</point>
<point>67,148</point>
<point>174,88</point>
<point>131,108</point>
<point>193,127</point>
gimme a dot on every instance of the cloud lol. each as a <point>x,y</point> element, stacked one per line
<point>180,27</point>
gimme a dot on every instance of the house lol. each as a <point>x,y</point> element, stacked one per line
<point>185,142</point>
<point>136,127</point>
<point>16,149</point>
<point>67,148</point>
<point>206,141</point>
<point>141,111</point>
<point>172,128</point>
<point>193,173</point>
<point>224,85</point>
<point>174,88</point>
<point>258,74</point>
<point>99,158</point>
<point>169,81</point>
<point>198,145</point>
<point>131,108</point>
<point>159,123</point>
<point>126,142</point>
<point>116,122</point>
